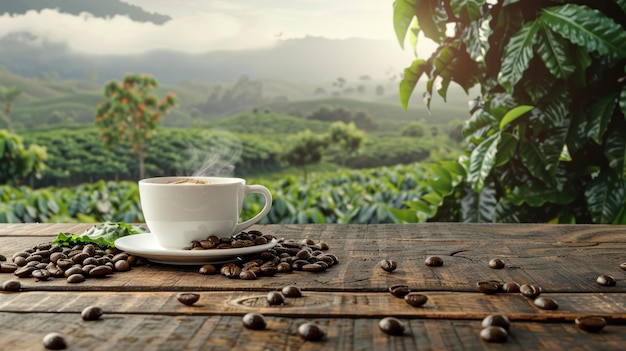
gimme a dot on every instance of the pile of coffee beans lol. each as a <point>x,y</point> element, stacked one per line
<point>286,256</point>
<point>75,264</point>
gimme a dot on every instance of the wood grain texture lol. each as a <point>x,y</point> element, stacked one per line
<point>347,300</point>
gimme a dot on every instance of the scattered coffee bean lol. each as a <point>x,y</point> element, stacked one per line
<point>546,303</point>
<point>590,324</point>
<point>91,313</point>
<point>24,272</point>
<point>311,332</point>
<point>12,285</point>
<point>388,265</point>
<point>291,291</point>
<point>54,341</point>
<point>510,287</point>
<point>415,299</point>
<point>496,263</point>
<point>496,320</point>
<point>188,298</point>
<point>391,326</point>
<point>488,287</point>
<point>623,266</point>
<point>433,261</point>
<point>494,334</point>
<point>6,267</point>
<point>122,266</point>
<point>275,298</point>
<point>606,280</point>
<point>530,291</point>
<point>208,269</point>
<point>399,290</point>
<point>312,267</point>
<point>255,321</point>
<point>3,258</point>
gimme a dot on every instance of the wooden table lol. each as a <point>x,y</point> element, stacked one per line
<point>347,300</point>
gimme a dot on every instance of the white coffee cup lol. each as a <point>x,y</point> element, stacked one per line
<point>178,212</point>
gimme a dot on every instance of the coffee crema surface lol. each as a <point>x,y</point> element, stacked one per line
<point>191,181</point>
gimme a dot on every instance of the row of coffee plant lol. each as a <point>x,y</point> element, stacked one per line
<point>382,195</point>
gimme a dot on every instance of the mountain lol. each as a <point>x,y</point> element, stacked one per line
<point>309,59</point>
<point>98,8</point>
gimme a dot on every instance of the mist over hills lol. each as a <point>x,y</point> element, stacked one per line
<point>309,59</point>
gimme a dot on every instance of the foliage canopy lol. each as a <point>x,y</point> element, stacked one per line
<point>546,138</point>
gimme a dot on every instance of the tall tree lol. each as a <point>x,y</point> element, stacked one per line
<point>546,138</point>
<point>18,163</point>
<point>130,111</point>
<point>9,95</point>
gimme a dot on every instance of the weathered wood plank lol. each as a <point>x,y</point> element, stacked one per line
<point>557,266</point>
<point>440,305</point>
<point>158,332</point>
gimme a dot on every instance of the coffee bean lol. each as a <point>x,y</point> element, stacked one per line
<point>24,271</point>
<point>391,326</point>
<point>269,270</point>
<point>254,321</point>
<point>494,334</point>
<point>590,324</point>
<point>623,266</point>
<point>510,287</point>
<point>546,303</point>
<point>488,287</point>
<point>496,263</point>
<point>6,267</point>
<point>399,290</point>
<point>41,274</point>
<point>187,298</point>
<point>208,269</point>
<point>74,270</point>
<point>284,267</point>
<point>247,275</point>
<point>100,271</point>
<point>3,258</point>
<point>54,341</point>
<point>606,280</point>
<point>11,285</point>
<point>433,261</point>
<point>291,291</point>
<point>122,266</point>
<point>312,267</point>
<point>311,332</point>
<point>75,278</point>
<point>530,291</point>
<point>275,298</point>
<point>415,299</point>
<point>496,320</point>
<point>230,270</point>
<point>91,313</point>
<point>388,265</point>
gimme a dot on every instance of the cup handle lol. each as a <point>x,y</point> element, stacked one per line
<point>248,189</point>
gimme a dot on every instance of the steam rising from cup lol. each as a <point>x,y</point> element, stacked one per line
<point>217,159</point>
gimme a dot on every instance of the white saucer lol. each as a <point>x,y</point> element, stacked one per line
<point>145,245</point>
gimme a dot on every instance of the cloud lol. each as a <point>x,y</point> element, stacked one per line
<point>196,33</point>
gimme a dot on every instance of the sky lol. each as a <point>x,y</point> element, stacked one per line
<point>199,26</point>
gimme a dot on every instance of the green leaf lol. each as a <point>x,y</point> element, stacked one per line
<point>622,100</point>
<point>622,4</point>
<point>482,161</point>
<point>615,149</point>
<point>517,55</point>
<point>466,10</point>
<point>554,52</point>
<point>534,160</point>
<point>587,27</point>
<point>535,193</point>
<point>600,115</point>
<point>514,114</point>
<point>432,18</point>
<point>403,15</point>
<point>605,197</point>
<point>103,234</point>
<point>506,149</point>
<point>479,206</point>
<point>411,76</point>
